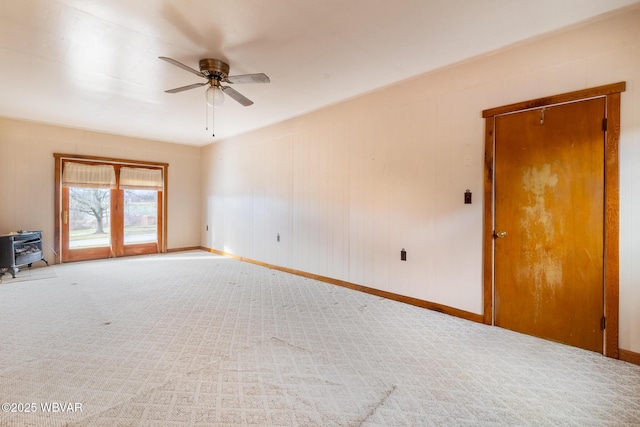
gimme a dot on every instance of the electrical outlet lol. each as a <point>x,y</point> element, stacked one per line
<point>278,237</point>
<point>467,197</point>
<point>207,227</point>
<point>403,255</point>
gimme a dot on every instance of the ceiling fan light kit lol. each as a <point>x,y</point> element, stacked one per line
<point>214,95</point>
<point>217,71</point>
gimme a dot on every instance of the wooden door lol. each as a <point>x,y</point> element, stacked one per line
<point>549,222</point>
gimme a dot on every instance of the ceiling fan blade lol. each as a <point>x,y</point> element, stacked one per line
<point>180,89</point>
<point>236,95</point>
<point>248,78</point>
<point>181,65</point>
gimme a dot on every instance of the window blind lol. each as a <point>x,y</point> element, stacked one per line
<point>141,179</point>
<point>83,175</point>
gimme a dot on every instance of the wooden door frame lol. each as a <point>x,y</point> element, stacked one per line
<point>611,93</point>
<point>60,157</point>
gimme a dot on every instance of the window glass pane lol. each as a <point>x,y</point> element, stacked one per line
<point>89,217</point>
<point>140,216</point>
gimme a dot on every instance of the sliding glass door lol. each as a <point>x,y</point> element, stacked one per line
<point>110,209</point>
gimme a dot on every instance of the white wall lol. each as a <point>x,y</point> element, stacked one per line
<point>348,186</point>
<point>27,176</point>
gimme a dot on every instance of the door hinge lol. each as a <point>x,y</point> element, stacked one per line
<point>604,125</point>
<point>603,323</point>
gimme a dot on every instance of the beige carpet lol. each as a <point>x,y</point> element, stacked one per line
<point>196,339</point>
<point>270,383</point>
<point>25,273</point>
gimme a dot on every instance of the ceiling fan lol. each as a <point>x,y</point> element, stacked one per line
<point>217,72</point>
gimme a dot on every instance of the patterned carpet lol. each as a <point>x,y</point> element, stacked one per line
<point>194,339</point>
<point>35,273</point>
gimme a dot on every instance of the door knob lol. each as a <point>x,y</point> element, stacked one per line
<point>500,234</point>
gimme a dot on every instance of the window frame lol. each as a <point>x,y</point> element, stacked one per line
<point>60,158</point>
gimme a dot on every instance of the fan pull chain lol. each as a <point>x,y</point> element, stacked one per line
<point>206,114</point>
<point>212,117</point>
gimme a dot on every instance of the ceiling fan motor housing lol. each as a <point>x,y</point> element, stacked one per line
<point>214,68</point>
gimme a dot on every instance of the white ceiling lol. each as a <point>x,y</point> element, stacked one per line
<point>94,64</point>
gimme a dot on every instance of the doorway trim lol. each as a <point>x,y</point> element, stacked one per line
<point>611,93</point>
<point>60,157</point>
